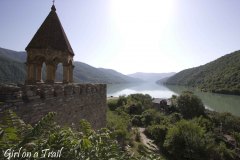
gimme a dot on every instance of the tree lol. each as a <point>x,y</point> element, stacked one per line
<point>148,116</point>
<point>229,122</point>
<point>144,99</point>
<point>221,152</point>
<point>135,109</point>
<point>190,105</point>
<point>157,133</point>
<point>187,140</point>
<point>112,104</point>
<point>205,123</point>
<point>136,120</point>
<point>119,123</point>
<point>122,100</point>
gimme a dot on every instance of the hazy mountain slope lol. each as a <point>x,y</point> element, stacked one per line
<point>153,77</point>
<point>117,75</point>
<point>13,55</point>
<point>86,73</point>
<point>163,80</point>
<point>220,76</point>
<point>12,70</point>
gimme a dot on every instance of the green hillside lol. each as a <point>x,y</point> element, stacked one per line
<point>219,76</point>
<point>13,70</point>
<point>117,75</point>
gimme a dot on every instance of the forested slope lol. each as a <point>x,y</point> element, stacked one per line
<point>219,76</point>
<point>13,70</point>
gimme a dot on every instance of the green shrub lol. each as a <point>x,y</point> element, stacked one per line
<point>190,105</point>
<point>157,133</point>
<point>86,144</point>
<point>221,152</point>
<point>142,149</point>
<point>137,120</point>
<point>175,117</point>
<point>112,104</point>
<point>122,100</point>
<point>205,123</point>
<point>237,138</point>
<point>227,121</point>
<point>135,109</point>
<point>144,99</point>
<point>187,140</point>
<point>119,123</point>
<point>148,116</point>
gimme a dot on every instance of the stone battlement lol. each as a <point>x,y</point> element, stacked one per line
<point>72,102</point>
<point>46,91</point>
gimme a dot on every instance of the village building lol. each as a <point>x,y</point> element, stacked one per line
<point>161,104</point>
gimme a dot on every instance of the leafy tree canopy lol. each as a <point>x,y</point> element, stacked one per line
<point>190,105</point>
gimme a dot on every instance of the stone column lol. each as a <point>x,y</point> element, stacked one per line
<point>49,70</point>
<point>29,69</point>
<point>54,71</point>
<point>39,73</point>
<point>65,73</point>
<point>71,73</point>
<point>31,77</point>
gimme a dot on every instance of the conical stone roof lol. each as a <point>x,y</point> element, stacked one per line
<point>51,35</point>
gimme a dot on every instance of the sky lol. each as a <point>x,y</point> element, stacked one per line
<point>131,35</point>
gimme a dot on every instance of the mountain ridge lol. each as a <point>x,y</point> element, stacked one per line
<point>13,70</point>
<point>152,77</point>
<point>219,76</point>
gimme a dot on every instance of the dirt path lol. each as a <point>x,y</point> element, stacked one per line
<point>146,141</point>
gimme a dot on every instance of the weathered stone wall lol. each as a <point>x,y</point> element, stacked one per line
<point>71,102</point>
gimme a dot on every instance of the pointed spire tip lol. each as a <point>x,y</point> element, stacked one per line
<point>53,8</point>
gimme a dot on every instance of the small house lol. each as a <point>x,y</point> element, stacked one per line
<point>161,103</point>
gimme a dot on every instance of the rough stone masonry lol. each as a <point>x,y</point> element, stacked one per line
<point>71,102</point>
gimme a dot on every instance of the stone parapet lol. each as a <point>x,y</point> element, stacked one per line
<point>71,102</point>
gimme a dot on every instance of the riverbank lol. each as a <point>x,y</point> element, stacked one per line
<point>214,101</point>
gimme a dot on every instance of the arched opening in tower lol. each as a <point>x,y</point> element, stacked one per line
<point>59,73</point>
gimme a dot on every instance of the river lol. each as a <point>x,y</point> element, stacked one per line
<point>217,102</point>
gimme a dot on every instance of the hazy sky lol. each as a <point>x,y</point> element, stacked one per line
<point>131,35</point>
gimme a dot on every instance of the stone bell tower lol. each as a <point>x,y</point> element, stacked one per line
<point>50,46</point>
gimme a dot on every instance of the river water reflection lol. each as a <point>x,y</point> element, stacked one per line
<point>217,102</point>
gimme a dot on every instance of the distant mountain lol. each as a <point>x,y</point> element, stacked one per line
<point>13,55</point>
<point>151,77</point>
<point>163,80</point>
<point>13,70</point>
<point>219,76</point>
<point>117,75</point>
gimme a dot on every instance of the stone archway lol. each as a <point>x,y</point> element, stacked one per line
<point>59,73</point>
<point>71,67</point>
<point>68,71</point>
<point>35,65</point>
<point>39,60</point>
<point>34,69</point>
<point>51,43</point>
